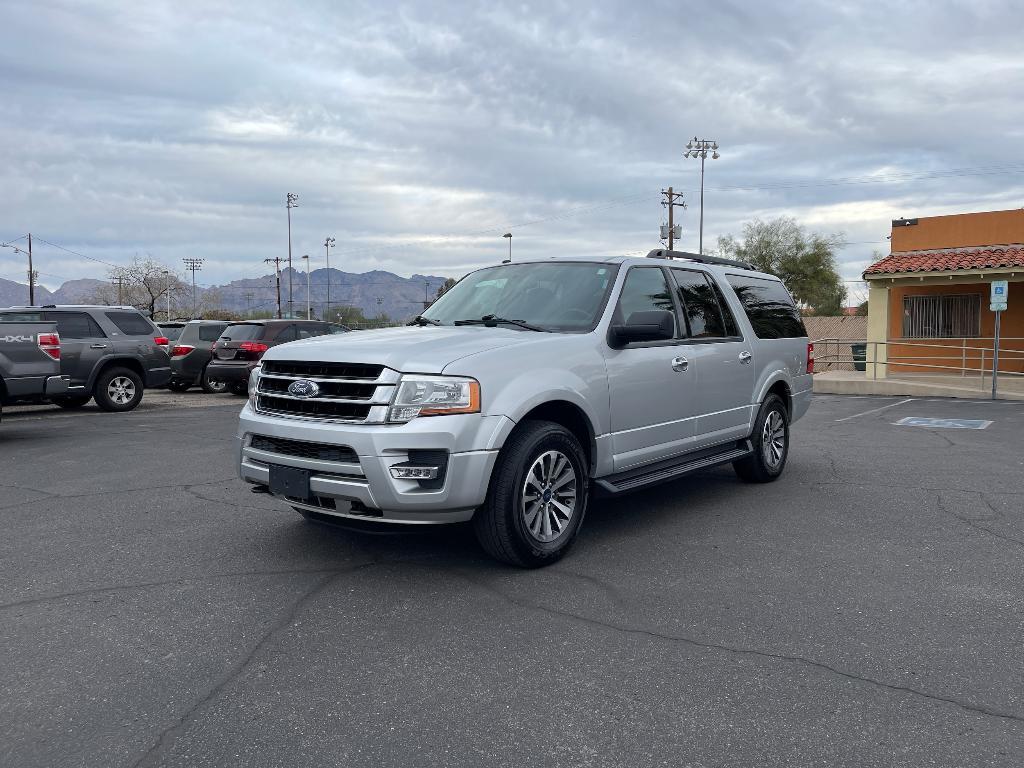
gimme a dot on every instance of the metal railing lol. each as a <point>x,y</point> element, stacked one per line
<point>963,357</point>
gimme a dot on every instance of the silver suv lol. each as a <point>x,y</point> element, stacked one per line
<point>526,388</point>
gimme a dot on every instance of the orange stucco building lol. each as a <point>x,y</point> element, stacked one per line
<point>929,299</point>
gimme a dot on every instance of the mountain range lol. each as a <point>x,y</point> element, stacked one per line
<point>373,292</point>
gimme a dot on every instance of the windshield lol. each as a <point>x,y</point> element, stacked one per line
<point>555,296</point>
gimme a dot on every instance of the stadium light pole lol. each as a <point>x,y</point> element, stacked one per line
<point>328,244</point>
<point>292,201</point>
<point>193,264</point>
<point>699,148</point>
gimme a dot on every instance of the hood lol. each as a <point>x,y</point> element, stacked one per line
<point>411,348</point>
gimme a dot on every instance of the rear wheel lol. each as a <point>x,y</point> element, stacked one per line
<point>118,390</point>
<point>70,402</point>
<point>213,386</point>
<point>537,497</point>
<point>771,444</point>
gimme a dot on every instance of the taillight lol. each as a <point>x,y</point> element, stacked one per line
<point>810,358</point>
<point>254,346</point>
<point>162,341</point>
<point>181,349</point>
<point>50,344</point>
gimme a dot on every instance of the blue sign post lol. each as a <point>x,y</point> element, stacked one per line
<point>997,303</point>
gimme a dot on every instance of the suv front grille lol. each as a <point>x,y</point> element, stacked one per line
<point>303,450</point>
<point>353,392</point>
<point>314,370</point>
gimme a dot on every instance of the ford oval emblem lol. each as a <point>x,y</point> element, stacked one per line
<point>303,388</point>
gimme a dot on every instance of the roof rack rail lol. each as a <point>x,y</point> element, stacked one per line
<point>665,253</point>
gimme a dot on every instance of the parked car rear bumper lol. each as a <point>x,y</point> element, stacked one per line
<point>232,372</point>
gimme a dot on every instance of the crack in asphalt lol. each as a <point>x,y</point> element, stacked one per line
<point>736,650</point>
<point>167,583</point>
<point>975,522</point>
<point>168,735</point>
<point>50,495</point>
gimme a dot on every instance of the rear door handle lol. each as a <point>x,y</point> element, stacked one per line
<point>745,357</point>
<point>97,346</point>
<point>680,364</point>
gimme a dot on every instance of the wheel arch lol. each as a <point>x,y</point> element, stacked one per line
<point>117,362</point>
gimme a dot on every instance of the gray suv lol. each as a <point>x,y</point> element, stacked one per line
<point>528,387</point>
<point>110,353</point>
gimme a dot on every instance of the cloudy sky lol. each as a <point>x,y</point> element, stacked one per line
<point>416,134</point>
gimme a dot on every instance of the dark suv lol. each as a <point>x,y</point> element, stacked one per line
<point>241,346</point>
<point>191,353</point>
<point>110,353</point>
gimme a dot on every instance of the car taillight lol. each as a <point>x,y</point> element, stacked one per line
<point>50,344</point>
<point>254,346</point>
<point>181,349</point>
<point>162,341</point>
<point>810,358</point>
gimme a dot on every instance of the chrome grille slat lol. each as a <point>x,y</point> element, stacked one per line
<point>352,393</point>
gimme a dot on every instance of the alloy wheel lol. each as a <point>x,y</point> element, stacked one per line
<point>549,496</point>
<point>121,390</point>
<point>773,439</point>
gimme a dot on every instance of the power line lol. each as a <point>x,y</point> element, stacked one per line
<point>76,253</point>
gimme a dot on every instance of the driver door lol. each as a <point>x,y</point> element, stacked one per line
<point>651,394</point>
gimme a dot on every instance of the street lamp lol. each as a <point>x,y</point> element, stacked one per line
<point>509,236</point>
<point>306,257</point>
<point>167,277</point>
<point>292,201</point>
<point>328,244</point>
<point>699,148</point>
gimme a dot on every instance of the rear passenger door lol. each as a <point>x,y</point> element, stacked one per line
<point>82,344</point>
<point>721,358</point>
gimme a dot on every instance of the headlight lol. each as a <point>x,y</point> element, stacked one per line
<point>434,396</point>
<point>254,385</point>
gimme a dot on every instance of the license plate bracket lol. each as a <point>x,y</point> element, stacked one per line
<point>290,481</point>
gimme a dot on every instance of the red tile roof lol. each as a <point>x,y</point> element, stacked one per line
<point>950,260</point>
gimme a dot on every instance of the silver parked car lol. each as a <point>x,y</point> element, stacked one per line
<point>528,386</point>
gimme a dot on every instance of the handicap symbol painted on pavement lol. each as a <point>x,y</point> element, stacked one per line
<point>917,421</point>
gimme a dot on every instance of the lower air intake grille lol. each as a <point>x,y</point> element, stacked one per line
<point>304,450</point>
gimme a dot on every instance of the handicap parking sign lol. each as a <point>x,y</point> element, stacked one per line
<point>997,299</point>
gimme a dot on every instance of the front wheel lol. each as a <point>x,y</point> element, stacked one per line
<point>771,444</point>
<point>537,497</point>
<point>118,390</point>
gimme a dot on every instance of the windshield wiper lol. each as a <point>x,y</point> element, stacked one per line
<point>492,321</point>
<point>421,320</point>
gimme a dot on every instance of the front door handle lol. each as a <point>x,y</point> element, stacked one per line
<point>745,357</point>
<point>97,346</point>
<point>680,364</point>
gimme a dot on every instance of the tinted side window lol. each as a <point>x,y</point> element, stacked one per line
<point>731,328</point>
<point>76,325</point>
<point>285,334</point>
<point>645,290</point>
<point>701,306</point>
<point>337,328</point>
<point>769,307</point>
<point>306,331</point>
<point>131,323</point>
<point>242,332</point>
<point>210,332</point>
<point>21,317</point>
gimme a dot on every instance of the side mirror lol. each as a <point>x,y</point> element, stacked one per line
<point>652,325</point>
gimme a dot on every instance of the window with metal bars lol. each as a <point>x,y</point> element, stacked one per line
<point>942,317</point>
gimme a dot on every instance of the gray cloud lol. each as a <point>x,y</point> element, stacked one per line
<point>176,128</point>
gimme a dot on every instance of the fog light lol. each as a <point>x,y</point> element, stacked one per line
<point>400,472</point>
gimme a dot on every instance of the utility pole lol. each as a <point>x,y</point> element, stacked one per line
<point>248,303</point>
<point>309,315</point>
<point>699,148</point>
<point>292,201</point>
<point>167,277</point>
<point>193,264</point>
<point>426,294</point>
<point>32,274</point>
<point>276,261</point>
<point>509,236</point>
<point>671,203</point>
<point>328,244</point>
<point>120,288</point>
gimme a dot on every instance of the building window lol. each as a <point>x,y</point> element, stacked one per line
<point>942,317</point>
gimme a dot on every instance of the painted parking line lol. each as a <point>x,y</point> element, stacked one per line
<point>876,410</point>
<point>917,421</point>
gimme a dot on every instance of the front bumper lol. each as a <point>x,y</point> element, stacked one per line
<point>365,489</point>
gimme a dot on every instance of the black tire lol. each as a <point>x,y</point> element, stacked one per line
<point>768,460</point>
<point>239,388</point>
<point>503,525</point>
<point>213,386</point>
<point>71,402</point>
<point>118,390</point>
<point>179,386</point>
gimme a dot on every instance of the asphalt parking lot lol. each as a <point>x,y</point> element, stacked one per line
<point>867,609</point>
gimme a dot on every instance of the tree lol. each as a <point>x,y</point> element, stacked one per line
<point>144,283</point>
<point>445,287</point>
<point>806,263</point>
